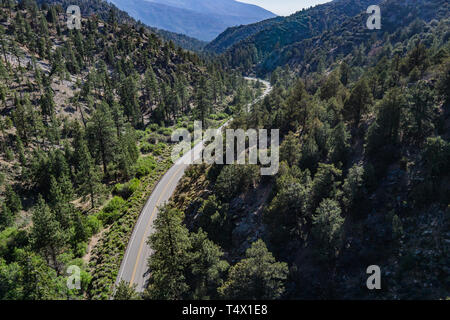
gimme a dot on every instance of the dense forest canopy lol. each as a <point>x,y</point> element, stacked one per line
<point>103,8</point>
<point>322,32</point>
<point>85,123</point>
<point>364,173</point>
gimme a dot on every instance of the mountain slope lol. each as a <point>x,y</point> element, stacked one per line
<point>259,40</point>
<point>353,33</point>
<point>364,176</point>
<point>82,111</point>
<point>335,27</point>
<point>103,9</point>
<point>233,35</point>
<point>201,19</point>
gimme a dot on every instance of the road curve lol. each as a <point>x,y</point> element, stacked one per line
<point>134,268</point>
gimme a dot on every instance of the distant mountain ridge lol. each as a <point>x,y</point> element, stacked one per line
<point>336,27</point>
<point>267,35</point>
<point>201,19</point>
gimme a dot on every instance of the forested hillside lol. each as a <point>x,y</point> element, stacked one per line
<point>201,19</point>
<point>351,36</point>
<point>233,35</point>
<point>251,44</point>
<point>325,31</point>
<point>86,118</point>
<point>363,180</point>
<point>103,9</point>
<point>85,122</point>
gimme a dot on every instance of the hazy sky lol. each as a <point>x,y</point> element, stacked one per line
<point>284,7</point>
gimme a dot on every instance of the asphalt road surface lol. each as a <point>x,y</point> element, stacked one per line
<point>134,265</point>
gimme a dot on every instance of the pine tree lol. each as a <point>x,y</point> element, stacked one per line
<point>258,276</point>
<point>125,292</point>
<point>384,131</point>
<point>359,101</point>
<point>150,87</point>
<point>101,135</point>
<point>129,99</point>
<point>331,87</point>
<point>87,175</point>
<point>203,100</point>
<point>4,44</point>
<point>21,121</point>
<point>37,281</point>
<point>344,71</point>
<point>206,266</point>
<point>325,184</point>
<point>295,108</point>
<point>6,216</point>
<point>171,247</point>
<point>60,195</point>
<point>21,151</point>
<point>338,143</point>
<point>128,153</point>
<point>354,191</point>
<point>420,111</point>
<point>117,115</point>
<point>47,103</point>
<point>46,234</point>
<point>327,228</point>
<point>12,200</point>
<point>444,81</point>
<point>290,150</point>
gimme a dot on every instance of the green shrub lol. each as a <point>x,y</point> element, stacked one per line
<point>133,185</point>
<point>181,124</point>
<point>108,218</point>
<point>5,239</point>
<point>159,149</point>
<point>12,200</point>
<point>139,134</point>
<point>221,116</point>
<point>147,148</point>
<point>112,210</point>
<point>93,224</point>
<point>153,138</point>
<point>127,189</point>
<point>165,131</point>
<point>86,279</point>
<point>8,123</point>
<point>117,189</point>
<point>145,166</point>
<point>81,249</point>
<point>11,239</point>
<point>153,127</point>
<point>9,155</point>
<point>6,216</point>
<point>116,203</point>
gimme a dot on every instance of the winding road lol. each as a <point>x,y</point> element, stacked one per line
<point>134,268</point>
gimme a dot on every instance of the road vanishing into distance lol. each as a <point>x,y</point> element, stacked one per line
<point>134,267</point>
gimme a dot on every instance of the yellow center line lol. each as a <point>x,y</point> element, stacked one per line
<point>138,258</point>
